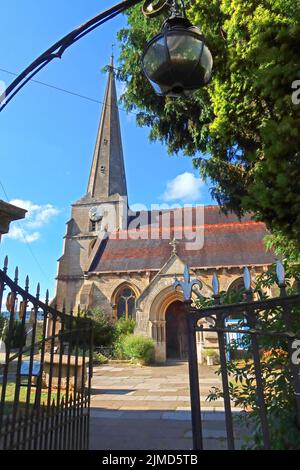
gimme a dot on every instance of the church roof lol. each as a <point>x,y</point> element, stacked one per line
<point>228,241</point>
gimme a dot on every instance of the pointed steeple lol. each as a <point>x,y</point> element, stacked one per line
<point>107,177</point>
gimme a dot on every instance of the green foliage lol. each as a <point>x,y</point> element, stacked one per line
<point>17,335</point>
<point>275,369</point>
<point>39,337</point>
<point>210,353</point>
<point>289,249</point>
<point>99,358</point>
<point>243,129</point>
<point>228,297</point>
<point>119,352</point>
<point>124,327</point>
<point>138,348</point>
<point>104,329</point>
<point>2,325</point>
<point>279,399</point>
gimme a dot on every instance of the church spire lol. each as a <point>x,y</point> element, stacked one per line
<point>107,177</point>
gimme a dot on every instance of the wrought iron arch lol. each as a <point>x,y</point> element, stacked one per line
<point>57,50</point>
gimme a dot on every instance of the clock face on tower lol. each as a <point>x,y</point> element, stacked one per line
<point>96,214</point>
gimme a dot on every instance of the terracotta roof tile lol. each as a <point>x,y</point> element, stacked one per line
<point>227,242</point>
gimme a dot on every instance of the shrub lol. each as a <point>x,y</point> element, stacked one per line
<point>124,327</point>
<point>104,329</point>
<point>138,348</point>
<point>269,354</point>
<point>99,358</point>
<point>210,353</point>
<point>119,352</point>
<point>17,335</point>
<point>2,325</point>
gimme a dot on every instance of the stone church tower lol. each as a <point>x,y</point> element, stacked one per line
<point>125,263</point>
<point>101,210</point>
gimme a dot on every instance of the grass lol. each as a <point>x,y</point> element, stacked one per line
<point>10,397</point>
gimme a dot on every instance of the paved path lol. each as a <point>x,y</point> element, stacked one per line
<point>149,408</point>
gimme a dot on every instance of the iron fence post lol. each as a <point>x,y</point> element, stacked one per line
<point>294,367</point>
<point>263,411</point>
<point>56,423</point>
<point>194,380</point>
<point>220,322</point>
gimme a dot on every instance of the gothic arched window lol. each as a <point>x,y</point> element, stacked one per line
<point>126,302</point>
<point>236,294</point>
<point>237,285</point>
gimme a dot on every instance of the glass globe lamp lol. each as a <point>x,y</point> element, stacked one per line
<point>177,61</point>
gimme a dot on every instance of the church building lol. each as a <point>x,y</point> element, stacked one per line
<point>125,263</point>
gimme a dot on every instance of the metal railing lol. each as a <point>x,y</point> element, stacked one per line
<point>274,322</point>
<point>45,371</point>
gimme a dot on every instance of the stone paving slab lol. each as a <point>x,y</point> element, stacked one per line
<point>149,408</point>
<point>137,433</point>
<point>207,416</point>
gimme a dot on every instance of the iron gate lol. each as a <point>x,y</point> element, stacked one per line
<point>257,322</point>
<point>45,371</point>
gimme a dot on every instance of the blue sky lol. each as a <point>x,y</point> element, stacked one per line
<point>47,137</point>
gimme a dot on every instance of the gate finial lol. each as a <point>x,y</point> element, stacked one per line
<point>216,285</point>
<point>280,274</point>
<point>247,279</point>
<point>47,297</point>
<point>187,285</point>
<point>27,283</point>
<point>5,264</point>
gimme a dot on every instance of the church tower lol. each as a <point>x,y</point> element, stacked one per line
<point>102,209</point>
<point>107,177</point>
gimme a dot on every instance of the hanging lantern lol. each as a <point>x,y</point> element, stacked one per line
<point>177,61</point>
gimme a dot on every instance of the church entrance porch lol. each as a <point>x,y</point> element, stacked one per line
<point>176,332</point>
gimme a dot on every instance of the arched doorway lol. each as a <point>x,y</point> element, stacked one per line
<point>176,332</point>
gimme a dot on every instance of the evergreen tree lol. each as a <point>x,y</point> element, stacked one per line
<point>242,131</point>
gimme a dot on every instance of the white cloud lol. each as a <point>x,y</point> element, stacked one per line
<point>185,187</point>
<point>28,231</point>
<point>17,233</point>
